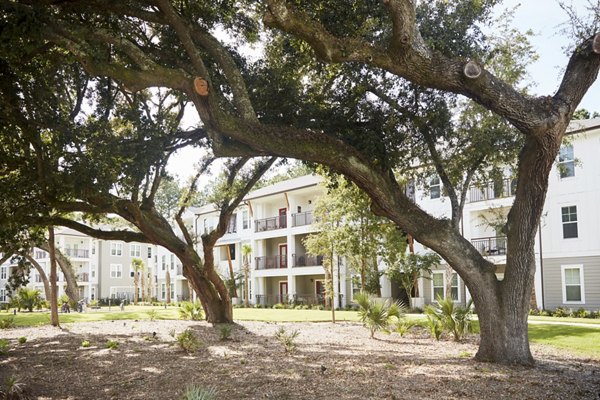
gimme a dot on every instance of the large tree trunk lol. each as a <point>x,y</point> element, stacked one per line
<point>54,289</point>
<point>68,272</point>
<point>168,285</point>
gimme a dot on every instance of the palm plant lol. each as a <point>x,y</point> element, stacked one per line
<point>377,314</point>
<point>189,310</point>
<point>29,298</point>
<point>452,317</point>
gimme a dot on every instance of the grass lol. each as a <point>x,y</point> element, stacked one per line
<point>591,321</point>
<point>578,339</point>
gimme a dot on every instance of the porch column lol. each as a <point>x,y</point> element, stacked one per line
<point>291,245</point>
<point>342,281</point>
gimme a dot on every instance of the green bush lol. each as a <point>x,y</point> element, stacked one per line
<point>594,314</point>
<point>22,340</point>
<point>434,326</point>
<point>152,314</point>
<point>279,306</point>
<point>195,392</point>
<point>29,298</point>
<point>4,346</point>
<point>561,312</point>
<point>403,327</point>
<point>376,314</point>
<point>188,341</point>
<point>6,323</point>
<point>455,319</point>
<point>85,343</point>
<point>580,313</point>
<point>14,390</point>
<point>112,344</point>
<point>189,310</point>
<point>225,331</point>
<point>287,339</point>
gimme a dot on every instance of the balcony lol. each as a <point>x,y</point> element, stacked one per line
<point>307,260</point>
<point>271,262</point>
<point>81,253</point>
<point>83,277</point>
<point>271,299</point>
<point>490,246</point>
<point>301,219</point>
<point>269,224</point>
<point>492,190</point>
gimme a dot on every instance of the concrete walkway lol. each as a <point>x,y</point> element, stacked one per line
<point>533,322</point>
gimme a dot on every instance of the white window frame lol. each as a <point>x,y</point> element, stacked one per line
<point>163,260</point>
<point>2,295</point>
<point>245,220</point>
<point>564,286</point>
<point>149,252</point>
<point>435,182</point>
<point>458,297</point>
<point>116,249</point>
<point>163,290</point>
<point>173,298</point>
<point>565,161</point>
<point>3,272</point>
<point>135,250</point>
<point>576,222</point>
<point>116,271</point>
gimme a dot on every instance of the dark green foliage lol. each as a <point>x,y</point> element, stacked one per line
<point>287,339</point>
<point>8,322</point>
<point>451,317</point>
<point>197,392</point>
<point>191,311</point>
<point>188,341</point>
<point>377,314</point>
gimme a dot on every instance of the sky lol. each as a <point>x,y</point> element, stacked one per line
<point>544,17</point>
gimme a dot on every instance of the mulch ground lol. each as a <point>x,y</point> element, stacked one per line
<point>331,362</point>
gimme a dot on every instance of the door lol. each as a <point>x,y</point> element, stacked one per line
<point>283,217</point>
<point>283,292</point>
<point>283,256</point>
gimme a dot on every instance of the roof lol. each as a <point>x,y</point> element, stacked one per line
<point>582,125</point>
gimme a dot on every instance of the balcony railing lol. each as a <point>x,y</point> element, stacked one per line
<point>269,224</point>
<point>493,190</point>
<point>301,219</point>
<point>307,260</point>
<point>271,262</point>
<point>82,253</point>
<point>490,246</point>
<point>83,277</point>
<point>271,299</point>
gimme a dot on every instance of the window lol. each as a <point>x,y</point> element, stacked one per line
<point>434,188</point>
<point>438,285</point>
<point>232,251</point>
<point>572,279</point>
<point>245,219</point>
<point>149,252</point>
<point>163,291</point>
<point>2,295</point>
<point>232,225</point>
<point>566,162</point>
<point>172,261</point>
<point>172,291</point>
<point>569,221</point>
<point>164,262</point>
<point>116,249</point>
<point>135,250</point>
<point>116,270</point>
<point>93,248</point>
<point>3,273</point>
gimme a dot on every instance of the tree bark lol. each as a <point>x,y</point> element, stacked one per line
<point>168,285</point>
<point>43,277</point>
<point>54,289</point>
<point>67,269</point>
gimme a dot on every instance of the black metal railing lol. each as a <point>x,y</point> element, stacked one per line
<point>490,246</point>
<point>301,219</point>
<point>271,262</point>
<point>269,224</point>
<point>83,253</point>
<point>307,260</point>
<point>492,190</point>
<point>83,277</point>
<point>271,299</point>
<point>309,299</point>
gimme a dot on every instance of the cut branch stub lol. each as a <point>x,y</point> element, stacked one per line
<point>201,86</point>
<point>596,44</point>
<point>472,70</point>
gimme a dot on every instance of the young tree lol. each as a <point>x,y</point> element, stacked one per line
<point>408,268</point>
<point>428,44</point>
<point>138,267</point>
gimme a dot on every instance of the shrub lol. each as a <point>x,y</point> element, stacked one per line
<point>189,310</point>
<point>594,314</point>
<point>545,313</point>
<point>561,312</point>
<point>85,343</point>
<point>188,341</point>
<point>14,390</point>
<point>581,313</point>
<point>152,314</point>
<point>403,327</point>
<point>225,331</point>
<point>287,339</point>
<point>6,323</point>
<point>453,318</point>
<point>376,314</point>
<point>435,327</point>
<point>4,347</point>
<point>279,306</point>
<point>29,298</point>
<point>112,344</point>
<point>195,392</point>
<point>534,311</point>
<point>22,340</point>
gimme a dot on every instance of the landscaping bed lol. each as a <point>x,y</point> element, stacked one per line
<point>331,361</point>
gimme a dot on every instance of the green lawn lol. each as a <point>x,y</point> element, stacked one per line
<point>578,339</point>
<point>595,321</point>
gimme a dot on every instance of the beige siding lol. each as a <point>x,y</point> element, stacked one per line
<point>553,282</point>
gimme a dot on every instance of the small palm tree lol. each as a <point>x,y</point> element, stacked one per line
<point>138,269</point>
<point>377,314</point>
<point>246,251</point>
<point>452,317</point>
<point>29,298</point>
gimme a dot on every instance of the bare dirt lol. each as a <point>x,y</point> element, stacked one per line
<point>331,362</point>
